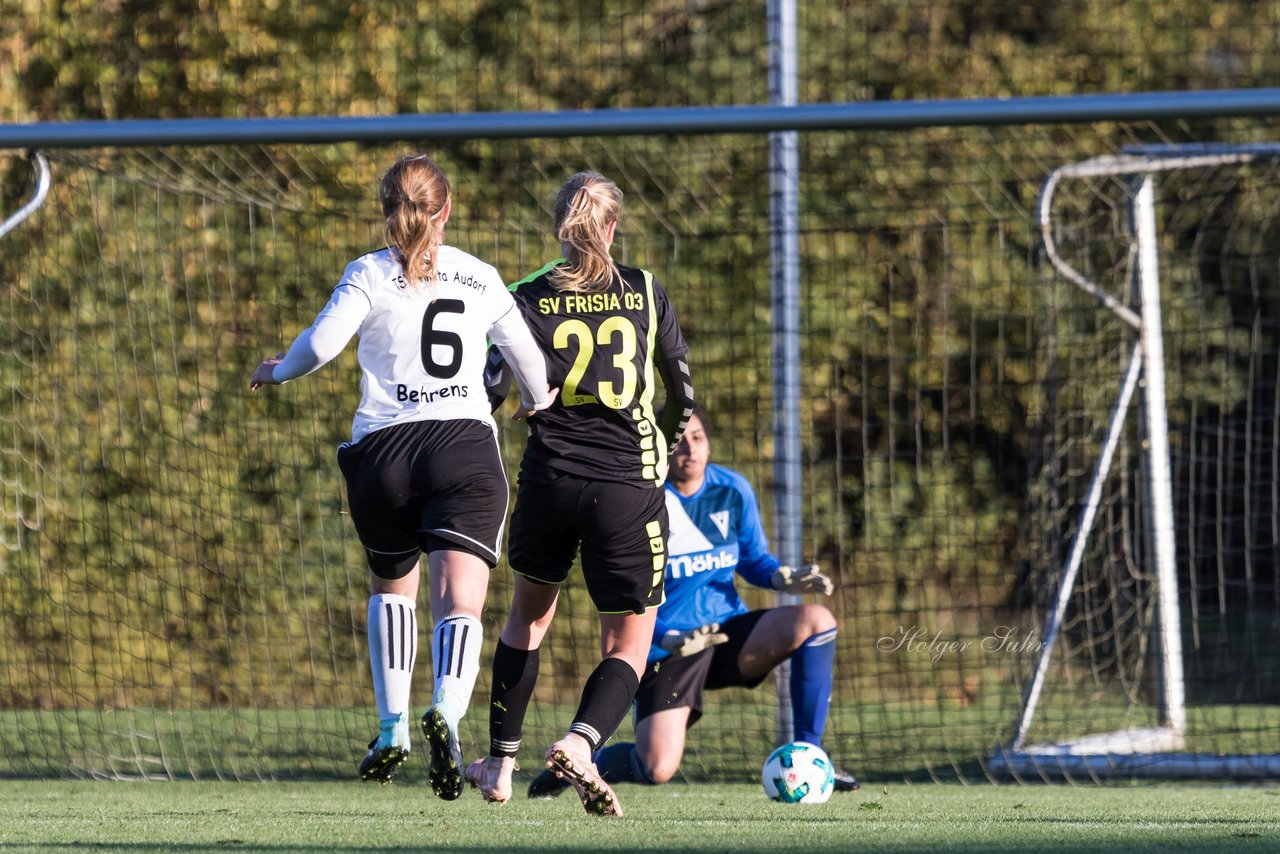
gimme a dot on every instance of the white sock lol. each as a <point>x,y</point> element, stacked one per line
<point>393,646</point>
<point>455,648</point>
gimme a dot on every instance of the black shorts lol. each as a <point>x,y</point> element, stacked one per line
<point>676,682</point>
<point>425,486</point>
<point>621,528</point>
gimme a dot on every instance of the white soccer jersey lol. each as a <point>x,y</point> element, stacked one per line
<point>422,349</point>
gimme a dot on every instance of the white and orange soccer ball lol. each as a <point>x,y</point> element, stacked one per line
<point>798,773</point>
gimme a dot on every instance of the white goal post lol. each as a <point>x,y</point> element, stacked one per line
<point>1139,752</point>
<point>31,205</point>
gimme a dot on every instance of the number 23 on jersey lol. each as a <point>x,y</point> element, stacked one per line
<point>603,360</point>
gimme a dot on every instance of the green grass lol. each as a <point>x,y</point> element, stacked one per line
<point>878,742</point>
<point>338,817</point>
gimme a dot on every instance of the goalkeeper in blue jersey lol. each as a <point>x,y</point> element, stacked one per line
<point>706,638</point>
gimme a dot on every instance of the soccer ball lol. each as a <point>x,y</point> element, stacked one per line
<point>798,773</point>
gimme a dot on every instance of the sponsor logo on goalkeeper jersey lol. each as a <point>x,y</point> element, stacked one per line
<point>689,565</point>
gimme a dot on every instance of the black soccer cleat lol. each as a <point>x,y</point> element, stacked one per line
<point>547,785</point>
<point>445,772</point>
<point>387,750</point>
<point>845,782</point>
<point>381,762</point>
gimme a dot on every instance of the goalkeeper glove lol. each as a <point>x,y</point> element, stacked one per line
<point>680,644</point>
<point>806,579</point>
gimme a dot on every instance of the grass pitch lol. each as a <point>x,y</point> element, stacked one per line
<point>340,817</point>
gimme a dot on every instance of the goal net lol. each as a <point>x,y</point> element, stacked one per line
<point>183,594</point>
<point>184,597</point>
<point>1158,498</point>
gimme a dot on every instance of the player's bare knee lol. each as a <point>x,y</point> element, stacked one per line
<point>535,621</point>
<point>816,619</point>
<point>661,773</point>
<point>655,767</point>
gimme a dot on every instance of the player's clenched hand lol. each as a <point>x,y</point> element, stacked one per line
<point>806,579</point>
<point>680,644</point>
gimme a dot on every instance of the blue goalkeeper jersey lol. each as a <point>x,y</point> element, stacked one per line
<point>715,533</point>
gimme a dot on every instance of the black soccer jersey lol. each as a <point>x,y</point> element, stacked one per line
<point>601,349</point>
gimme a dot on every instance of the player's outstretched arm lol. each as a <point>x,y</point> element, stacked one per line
<point>806,579</point>
<point>318,344</point>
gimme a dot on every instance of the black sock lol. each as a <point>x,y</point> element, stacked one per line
<point>605,699</point>
<point>515,673</point>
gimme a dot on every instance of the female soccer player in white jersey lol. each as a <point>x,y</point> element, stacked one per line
<point>423,469</point>
<point>591,480</point>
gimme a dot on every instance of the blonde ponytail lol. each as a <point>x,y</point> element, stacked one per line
<point>414,193</point>
<point>586,206</point>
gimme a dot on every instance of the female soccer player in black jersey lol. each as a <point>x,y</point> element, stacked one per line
<point>591,480</point>
<point>423,469</point>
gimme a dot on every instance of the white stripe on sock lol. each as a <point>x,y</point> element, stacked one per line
<point>822,638</point>
<point>590,733</point>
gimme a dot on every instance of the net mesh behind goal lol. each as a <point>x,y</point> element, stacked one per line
<point>184,596</point>
<point>1111,704</point>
